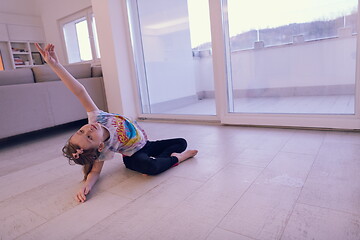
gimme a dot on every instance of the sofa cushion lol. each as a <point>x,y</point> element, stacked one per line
<point>18,76</point>
<point>25,108</point>
<point>45,73</point>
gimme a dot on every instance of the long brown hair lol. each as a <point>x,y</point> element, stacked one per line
<point>86,158</point>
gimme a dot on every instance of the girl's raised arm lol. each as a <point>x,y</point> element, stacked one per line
<point>70,82</point>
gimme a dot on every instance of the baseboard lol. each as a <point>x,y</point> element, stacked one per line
<point>330,90</point>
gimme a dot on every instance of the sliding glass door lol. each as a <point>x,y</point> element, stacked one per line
<point>293,57</point>
<point>291,63</point>
<point>279,63</point>
<point>172,47</point>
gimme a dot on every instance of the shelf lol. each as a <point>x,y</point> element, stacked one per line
<point>24,53</point>
<point>20,52</point>
<point>24,66</point>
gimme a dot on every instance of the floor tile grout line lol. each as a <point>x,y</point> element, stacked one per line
<point>131,200</point>
<point>113,213</point>
<point>134,200</point>
<point>38,226</point>
<point>36,187</point>
<point>179,204</point>
<point>49,219</point>
<point>205,182</point>
<point>202,184</point>
<point>211,176</point>
<point>330,209</point>
<point>246,190</point>
<point>297,199</point>
<point>107,190</point>
<point>37,214</point>
<point>234,233</point>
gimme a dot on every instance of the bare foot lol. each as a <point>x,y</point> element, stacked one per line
<point>185,155</point>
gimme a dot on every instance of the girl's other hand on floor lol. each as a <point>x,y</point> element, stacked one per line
<point>81,195</point>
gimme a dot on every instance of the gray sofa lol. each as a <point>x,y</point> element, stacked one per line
<point>34,98</point>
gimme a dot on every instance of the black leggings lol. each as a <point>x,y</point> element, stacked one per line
<point>154,157</point>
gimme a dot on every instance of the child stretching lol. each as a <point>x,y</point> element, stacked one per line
<point>108,133</point>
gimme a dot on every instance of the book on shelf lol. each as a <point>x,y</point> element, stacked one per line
<point>18,61</point>
<point>18,50</point>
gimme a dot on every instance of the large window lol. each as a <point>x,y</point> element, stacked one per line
<point>80,37</point>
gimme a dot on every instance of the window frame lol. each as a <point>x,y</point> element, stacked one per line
<point>88,15</point>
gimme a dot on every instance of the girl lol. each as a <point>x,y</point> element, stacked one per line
<point>108,133</point>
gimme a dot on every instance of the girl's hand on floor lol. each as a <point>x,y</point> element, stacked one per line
<point>81,195</point>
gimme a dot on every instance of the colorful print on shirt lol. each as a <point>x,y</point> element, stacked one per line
<point>126,136</point>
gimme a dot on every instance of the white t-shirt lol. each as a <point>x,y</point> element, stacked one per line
<point>126,136</point>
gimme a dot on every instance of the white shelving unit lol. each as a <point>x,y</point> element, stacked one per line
<point>24,54</point>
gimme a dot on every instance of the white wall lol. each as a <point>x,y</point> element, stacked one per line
<point>325,62</point>
<point>19,7</point>
<point>316,63</point>
<point>18,19</point>
<point>53,10</point>
<point>116,57</point>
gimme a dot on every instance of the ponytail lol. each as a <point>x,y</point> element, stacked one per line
<point>86,158</point>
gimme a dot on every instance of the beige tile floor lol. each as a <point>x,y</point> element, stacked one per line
<point>245,183</point>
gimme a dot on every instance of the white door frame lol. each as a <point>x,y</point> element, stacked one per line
<point>290,120</point>
<point>221,71</point>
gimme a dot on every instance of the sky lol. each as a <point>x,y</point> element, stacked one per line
<point>245,15</point>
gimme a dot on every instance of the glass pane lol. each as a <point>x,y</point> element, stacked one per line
<point>97,48</point>
<point>77,40</point>
<point>83,40</point>
<point>72,46</point>
<point>172,48</point>
<point>292,56</point>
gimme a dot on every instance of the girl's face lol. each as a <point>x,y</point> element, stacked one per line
<point>89,136</point>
